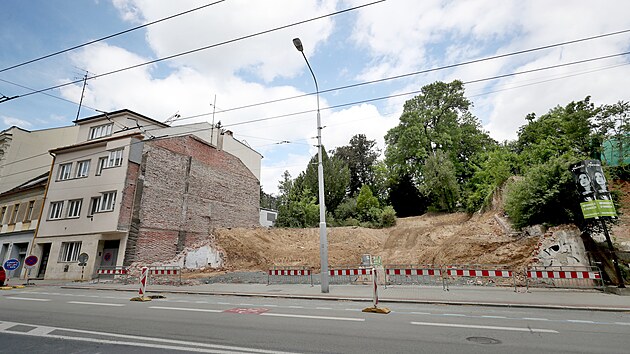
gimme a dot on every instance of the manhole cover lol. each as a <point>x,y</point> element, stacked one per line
<point>483,340</point>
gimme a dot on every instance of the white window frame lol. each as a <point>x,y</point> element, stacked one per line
<point>107,201</point>
<point>100,131</point>
<point>102,163</point>
<point>55,211</point>
<point>65,171</point>
<point>115,158</point>
<point>29,211</point>
<point>74,208</point>
<point>83,168</point>
<point>70,251</point>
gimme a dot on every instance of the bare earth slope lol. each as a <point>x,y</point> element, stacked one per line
<point>427,239</point>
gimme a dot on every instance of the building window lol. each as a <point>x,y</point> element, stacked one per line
<point>29,211</point>
<point>14,214</point>
<point>100,131</point>
<point>74,208</point>
<point>94,203</point>
<point>64,171</point>
<point>102,162</point>
<point>69,251</point>
<point>82,168</point>
<point>4,211</point>
<point>115,158</point>
<point>107,201</point>
<point>55,210</point>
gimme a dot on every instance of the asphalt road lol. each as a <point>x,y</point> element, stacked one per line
<point>45,320</point>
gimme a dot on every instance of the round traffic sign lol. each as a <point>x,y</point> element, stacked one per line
<point>11,264</point>
<point>30,261</point>
<point>83,257</point>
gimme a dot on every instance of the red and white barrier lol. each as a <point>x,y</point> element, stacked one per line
<point>296,272</point>
<point>410,272</point>
<point>143,282</point>
<point>563,274</point>
<point>164,271</point>
<point>349,272</point>
<point>113,271</point>
<point>480,273</point>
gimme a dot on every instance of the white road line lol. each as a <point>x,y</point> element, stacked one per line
<point>535,319</point>
<point>493,316</point>
<point>242,304</point>
<point>201,302</point>
<point>518,329</point>
<point>170,344</point>
<point>270,305</point>
<point>420,313</point>
<point>323,308</point>
<point>352,310</point>
<point>224,303</point>
<point>183,309</point>
<point>623,323</point>
<point>95,303</point>
<point>295,307</point>
<point>180,301</point>
<point>454,314</point>
<point>313,317</point>
<point>580,321</point>
<point>26,298</point>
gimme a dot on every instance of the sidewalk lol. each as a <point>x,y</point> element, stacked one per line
<point>592,300</point>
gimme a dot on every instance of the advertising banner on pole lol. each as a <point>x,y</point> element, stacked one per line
<point>591,184</point>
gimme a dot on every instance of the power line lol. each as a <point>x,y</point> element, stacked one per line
<point>109,36</point>
<point>425,71</point>
<point>201,49</point>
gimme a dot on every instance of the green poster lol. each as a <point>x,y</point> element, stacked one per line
<point>595,208</point>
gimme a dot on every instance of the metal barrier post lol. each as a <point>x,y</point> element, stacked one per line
<point>444,282</point>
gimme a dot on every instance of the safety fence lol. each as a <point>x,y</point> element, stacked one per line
<point>570,277</point>
<point>290,275</point>
<point>165,275</point>
<point>427,274</point>
<point>113,272</point>
<point>480,275</point>
<point>350,275</point>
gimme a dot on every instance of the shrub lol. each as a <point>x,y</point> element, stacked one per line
<point>387,217</point>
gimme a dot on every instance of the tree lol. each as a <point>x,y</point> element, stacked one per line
<point>336,180</point>
<point>439,182</point>
<point>366,203</point>
<point>613,129</point>
<point>406,198</point>
<point>360,155</point>
<point>268,201</point>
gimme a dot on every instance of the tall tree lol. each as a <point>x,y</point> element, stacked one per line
<point>439,182</point>
<point>336,180</point>
<point>613,129</point>
<point>360,155</point>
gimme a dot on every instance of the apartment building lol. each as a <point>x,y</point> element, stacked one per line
<point>24,154</point>
<point>132,189</point>
<point>20,208</point>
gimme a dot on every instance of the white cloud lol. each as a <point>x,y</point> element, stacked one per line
<point>10,121</point>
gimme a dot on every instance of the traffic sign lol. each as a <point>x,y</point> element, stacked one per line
<point>30,261</point>
<point>83,257</point>
<point>11,264</point>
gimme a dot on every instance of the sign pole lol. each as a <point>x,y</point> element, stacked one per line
<point>614,255</point>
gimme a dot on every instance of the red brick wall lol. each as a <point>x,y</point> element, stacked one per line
<point>189,188</point>
<point>124,218</point>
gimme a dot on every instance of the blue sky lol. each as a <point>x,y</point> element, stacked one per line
<point>378,41</point>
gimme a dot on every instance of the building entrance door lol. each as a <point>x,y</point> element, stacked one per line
<point>44,260</point>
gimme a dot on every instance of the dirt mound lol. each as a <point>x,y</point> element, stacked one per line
<point>428,239</point>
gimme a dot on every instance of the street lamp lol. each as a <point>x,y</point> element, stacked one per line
<point>323,240</point>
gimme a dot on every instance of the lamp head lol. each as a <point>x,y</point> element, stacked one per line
<point>298,44</point>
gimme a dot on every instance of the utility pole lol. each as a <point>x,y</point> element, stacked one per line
<point>82,93</point>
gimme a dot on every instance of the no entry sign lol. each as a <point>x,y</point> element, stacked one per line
<point>30,261</point>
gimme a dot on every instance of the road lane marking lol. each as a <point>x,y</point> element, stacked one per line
<point>454,314</point>
<point>169,344</point>
<point>323,308</point>
<point>493,316</point>
<point>295,307</point>
<point>623,323</point>
<point>535,319</point>
<point>184,309</point>
<point>94,303</point>
<point>518,329</point>
<point>270,305</point>
<point>223,303</point>
<point>313,317</point>
<point>420,313</point>
<point>26,298</point>
<point>580,321</point>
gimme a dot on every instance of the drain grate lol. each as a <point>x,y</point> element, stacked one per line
<point>483,340</point>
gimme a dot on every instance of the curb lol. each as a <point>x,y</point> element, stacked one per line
<point>363,299</point>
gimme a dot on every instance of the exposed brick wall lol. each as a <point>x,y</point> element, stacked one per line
<point>128,193</point>
<point>189,188</point>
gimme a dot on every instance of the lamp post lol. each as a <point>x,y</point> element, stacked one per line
<point>323,239</point>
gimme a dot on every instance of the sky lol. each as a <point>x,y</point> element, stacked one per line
<point>252,79</point>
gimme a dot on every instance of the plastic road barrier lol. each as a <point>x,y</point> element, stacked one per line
<point>289,274</point>
<point>143,286</point>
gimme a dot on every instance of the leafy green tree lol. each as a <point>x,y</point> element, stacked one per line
<point>366,202</point>
<point>613,127</point>
<point>439,182</point>
<point>406,198</point>
<point>360,155</point>
<point>336,180</point>
<point>268,201</point>
<point>494,168</point>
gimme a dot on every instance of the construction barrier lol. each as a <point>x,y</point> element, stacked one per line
<point>414,275</point>
<point>290,275</point>
<point>576,277</point>
<point>481,274</point>
<point>349,274</point>
<point>115,272</point>
<point>165,274</point>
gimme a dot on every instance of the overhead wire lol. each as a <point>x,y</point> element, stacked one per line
<point>200,49</point>
<point>109,36</point>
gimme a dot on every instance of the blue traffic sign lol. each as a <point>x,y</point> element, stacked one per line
<point>11,264</point>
